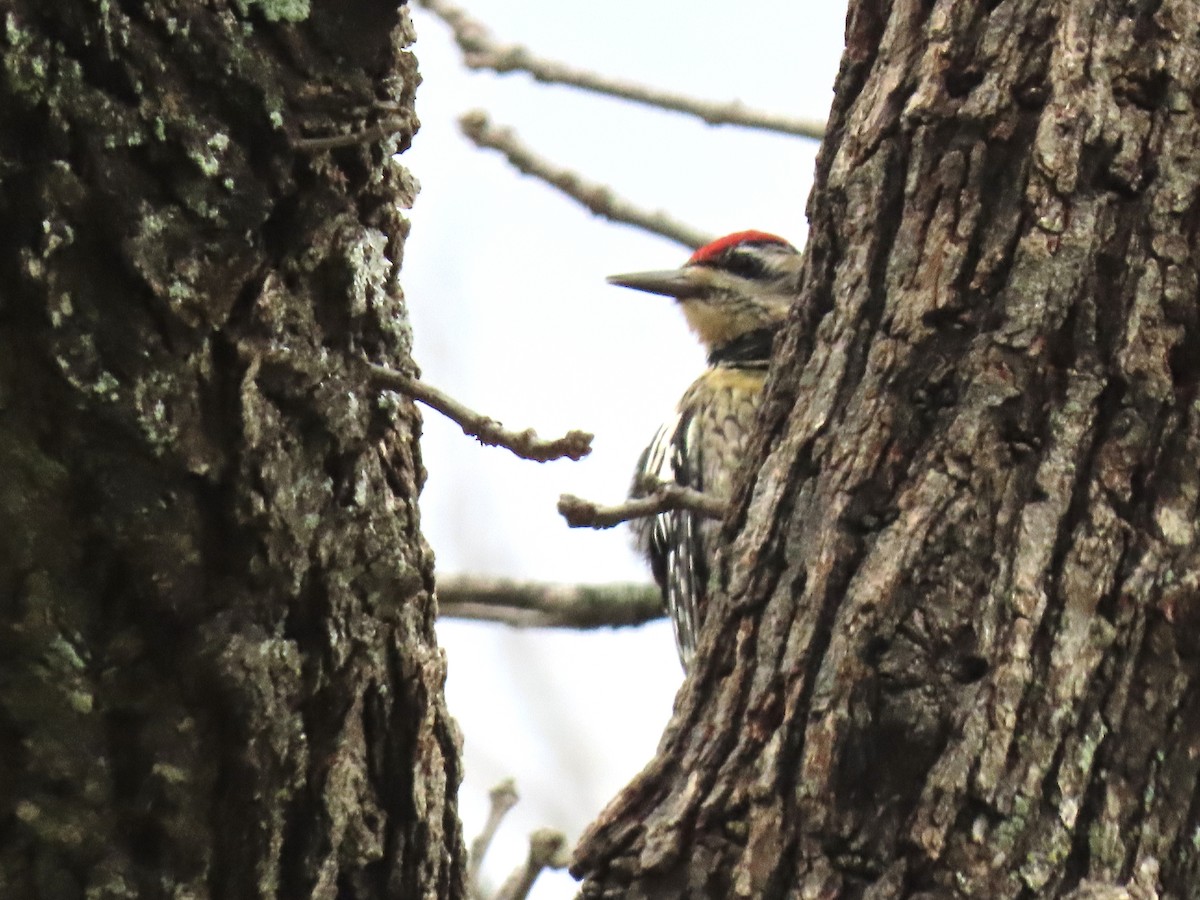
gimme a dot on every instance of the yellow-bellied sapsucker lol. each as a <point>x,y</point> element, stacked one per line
<point>734,294</point>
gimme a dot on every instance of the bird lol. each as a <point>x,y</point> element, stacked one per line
<point>734,293</point>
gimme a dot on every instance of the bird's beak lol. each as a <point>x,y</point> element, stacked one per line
<point>690,281</point>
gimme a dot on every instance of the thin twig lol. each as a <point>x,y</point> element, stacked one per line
<point>523,604</point>
<point>481,51</point>
<point>598,198</point>
<point>547,850</point>
<point>525,444</point>
<point>581,513</point>
<point>503,797</point>
<point>369,135</point>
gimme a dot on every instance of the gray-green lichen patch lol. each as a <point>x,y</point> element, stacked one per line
<point>209,158</point>
<point>277,10</point>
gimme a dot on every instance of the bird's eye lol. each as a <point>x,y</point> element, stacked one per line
<point>745,263</point>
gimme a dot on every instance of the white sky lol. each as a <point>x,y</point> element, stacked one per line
<point>505,284</point>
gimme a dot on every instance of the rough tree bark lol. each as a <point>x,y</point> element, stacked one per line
<point>218,672</point>
<point>957,653</point>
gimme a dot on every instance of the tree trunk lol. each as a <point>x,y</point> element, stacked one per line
<point>956,655</point>
<point>218,672</point>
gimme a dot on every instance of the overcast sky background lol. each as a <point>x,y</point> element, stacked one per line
<point>504,278</point>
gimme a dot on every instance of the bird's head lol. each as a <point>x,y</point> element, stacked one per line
<point>738,284</point>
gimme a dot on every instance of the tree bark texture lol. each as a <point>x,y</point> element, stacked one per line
<point>218,671</point>
<point>957,653</point>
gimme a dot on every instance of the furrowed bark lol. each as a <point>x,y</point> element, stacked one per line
<point>956,650</point>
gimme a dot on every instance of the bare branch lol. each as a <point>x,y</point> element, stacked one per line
<point>532,605</point>
<point>481,51</point>
<point>525,444</point>
<point>547,849</point>
<point>503,797</point>
<point>581,513</point>
<point>599,199</point>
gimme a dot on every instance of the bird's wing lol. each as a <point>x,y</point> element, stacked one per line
<point>672,540</point>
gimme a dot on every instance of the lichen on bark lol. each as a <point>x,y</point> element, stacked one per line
<point>219,670</point>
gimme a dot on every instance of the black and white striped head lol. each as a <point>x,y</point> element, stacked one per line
<point>737,284</point>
